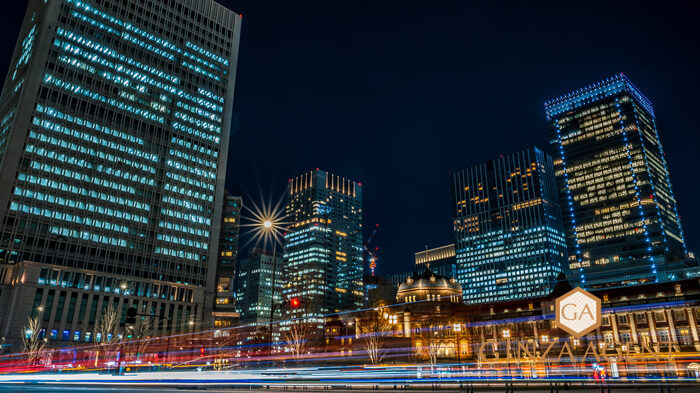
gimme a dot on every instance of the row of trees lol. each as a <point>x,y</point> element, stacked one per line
<point>109,338</point>
<point>299,337</point>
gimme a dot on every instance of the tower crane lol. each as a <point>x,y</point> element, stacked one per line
<point>372,257</point>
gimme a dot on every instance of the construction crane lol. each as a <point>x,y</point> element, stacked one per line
<point>372,257</point>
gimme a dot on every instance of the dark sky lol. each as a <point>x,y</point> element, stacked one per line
<point>398,94</point>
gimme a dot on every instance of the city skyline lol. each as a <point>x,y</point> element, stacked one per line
<point>411,102</point>
<point>427,135</point>
<point>448,89</point>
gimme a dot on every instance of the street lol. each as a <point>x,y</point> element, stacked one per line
<point>493,387</point>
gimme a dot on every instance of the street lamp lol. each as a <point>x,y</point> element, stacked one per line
<point>267,226</point>
<point>456,328</point>
<point>506,335</point>
<point>40,322</point>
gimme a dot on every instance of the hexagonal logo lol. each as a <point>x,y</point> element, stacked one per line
<point>578,312</point>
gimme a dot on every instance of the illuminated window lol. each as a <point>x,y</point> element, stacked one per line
<point>679,315</point>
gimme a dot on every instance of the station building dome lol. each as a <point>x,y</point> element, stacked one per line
<point>431,287</point>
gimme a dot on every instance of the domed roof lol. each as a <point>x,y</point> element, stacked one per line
<point>430,281</point>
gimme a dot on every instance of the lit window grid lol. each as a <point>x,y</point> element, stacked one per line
<point>325,212</point>
<point>639,182</point>
<point>518,200</point>
<point>210,96</point>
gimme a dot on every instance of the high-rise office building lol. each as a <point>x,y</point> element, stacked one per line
<point>622,225</point>
<point>254,297</point>
<point>225,313</point>
<point>508,227</point>
<point>323,246</point>
<point>115,122</point>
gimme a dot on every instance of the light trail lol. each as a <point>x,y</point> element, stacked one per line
<point>446,376</point>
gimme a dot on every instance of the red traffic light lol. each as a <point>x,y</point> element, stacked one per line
<point>295,302</point>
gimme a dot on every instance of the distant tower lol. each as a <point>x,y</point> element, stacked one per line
<point>440,260</point>
<point>323,247</point>
<point>508,228</point>
<point>620,214</point>
<point>254,286</point>
<point>225,305</point>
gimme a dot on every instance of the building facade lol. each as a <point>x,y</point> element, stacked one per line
<point>440,260</point>
<point>638,323</point>
<point>115,133</point>
<point>509,233</point>
<point>622,225</point>
<point>323,246</point>
<point>225,306</point>
<point>254,281</point>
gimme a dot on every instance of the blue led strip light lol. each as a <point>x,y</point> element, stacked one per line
<point>570,205</point>
<point>634,181</point>
<point>597,91</point>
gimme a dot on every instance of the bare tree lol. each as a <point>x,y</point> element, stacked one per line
<point>299,331</point>
<point>429,335</point>
<point>142,334</point>
<point>374,328</point>
<point>427,342</point>
<point>224,341</point>
<point>107,333</point>
<point>32,340</point>
<point>296,338</point>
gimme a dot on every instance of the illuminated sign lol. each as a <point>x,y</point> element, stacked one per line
<point>578,312</point>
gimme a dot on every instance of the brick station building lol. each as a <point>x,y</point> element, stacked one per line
<point>637,321</point>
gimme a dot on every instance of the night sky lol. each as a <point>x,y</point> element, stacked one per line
<point>396,95</point>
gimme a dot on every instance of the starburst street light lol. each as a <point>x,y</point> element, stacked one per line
<point>266,223</point>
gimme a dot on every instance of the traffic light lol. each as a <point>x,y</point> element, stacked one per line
<point>294,302</point>
<point>131,315</point>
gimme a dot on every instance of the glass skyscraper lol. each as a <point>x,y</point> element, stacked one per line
<point>509,235</point>
<point>114,133</point>
<point>323,247</point>
<point>254,286</point>
<point>622,225</point>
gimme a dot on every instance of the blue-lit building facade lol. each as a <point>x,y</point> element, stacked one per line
<point>622,224</point>
<point>323,246</point>
<point>114,139</point>
<point>509,235</point>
